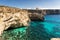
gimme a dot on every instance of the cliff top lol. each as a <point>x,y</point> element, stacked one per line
<point>7,9</point>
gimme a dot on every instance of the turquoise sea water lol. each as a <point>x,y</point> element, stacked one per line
<point>52,24</point>
<point>46,30</point>
<point>37,30</point>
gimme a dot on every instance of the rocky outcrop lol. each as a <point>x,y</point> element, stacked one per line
<point>12,17</point>
<point>55,38</point>
<point>36,17</point>
<point>53,11</point>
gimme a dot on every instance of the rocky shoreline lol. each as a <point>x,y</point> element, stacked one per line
<point>36,17</point>
<point>11,17</point>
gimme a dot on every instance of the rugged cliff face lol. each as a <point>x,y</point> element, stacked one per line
<point>12,17</point>
<point>36,17</point>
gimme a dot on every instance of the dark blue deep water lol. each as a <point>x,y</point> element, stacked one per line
<point>46,30</point>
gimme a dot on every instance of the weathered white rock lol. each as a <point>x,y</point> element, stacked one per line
<point>55,38</point>
<point>12,17</point>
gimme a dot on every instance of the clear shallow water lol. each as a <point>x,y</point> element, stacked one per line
<point>15,34</point>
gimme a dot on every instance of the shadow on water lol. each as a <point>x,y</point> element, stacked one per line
<point>15,34</point>
<point>14,28</point>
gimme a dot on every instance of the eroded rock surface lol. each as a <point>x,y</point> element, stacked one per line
<point>36,17</point>
<point>12,17</point>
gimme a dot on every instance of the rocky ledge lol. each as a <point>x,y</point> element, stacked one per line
<point>12,17</point>
<point>36,17</point>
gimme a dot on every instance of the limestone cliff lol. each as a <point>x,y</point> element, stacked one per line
<point>36,17</point>
<point>12,17</point>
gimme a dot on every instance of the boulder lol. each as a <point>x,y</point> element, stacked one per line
<point>12,17</point>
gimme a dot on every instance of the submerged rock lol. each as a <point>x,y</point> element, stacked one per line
<point>12,17</point>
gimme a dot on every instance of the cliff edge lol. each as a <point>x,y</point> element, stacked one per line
<point>12,17</point>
